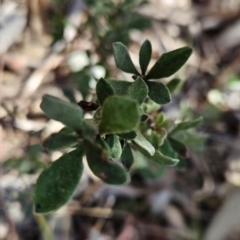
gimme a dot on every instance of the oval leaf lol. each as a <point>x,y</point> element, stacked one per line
<point>138,90</point>
<point>186,125</point>
<point>59,141</point>
<point>119,87</point>
<point>161,159</point>
<point>122,58</point>
<point>169,63</point>
<point>128,136</point>
<point>57,183</point>
<point>119,115</point>
<point>127,157</point>
<point>114,145</point>
<point>103,90</point>
<point>158,92</point>
<point>145,56</point>
<point>109,171</point>
<point>69,114</point>
<point>144,144</point>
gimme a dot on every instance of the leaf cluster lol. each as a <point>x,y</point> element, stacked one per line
<point>111,139</point>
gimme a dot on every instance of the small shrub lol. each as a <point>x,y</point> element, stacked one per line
<point>120,130</point>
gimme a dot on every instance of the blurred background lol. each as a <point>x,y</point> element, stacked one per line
<point>61,48</point>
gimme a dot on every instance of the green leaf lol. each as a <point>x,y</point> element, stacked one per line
<point>128,136</point>
<point>173,84</point>
<point>69,94</point>
<point>144,117</point>
<point>138,90</point>
<point>119,115</point>
<point>109,171</point>
<point>103,90</point>
<point>169,63</point>
<point>127,157</point>
<point>57,183</point>
<point>186,125</point>
<point>145,56</point>
<point>119,87</point>
<point>68,113</point>
<point>83,80</point>
<point>114,145</point>
<point>158,92</point>
<point>166,149</point>
<point>144,144</point>
<point>161,159</point>
<point>60,141</point>
<point>122,58</point>
<point>177,146</point>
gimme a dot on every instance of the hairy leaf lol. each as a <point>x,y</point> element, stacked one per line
<point>57,183</point>
<point>103,90</point>
<point>127,157</point>
<point>158,92</point>
<point>161,159</point>
<point>119,115</point>
<point>59,141</point>
<point>169,63</point>
<point>144,144</point>
<point>128,136</point>
<point>119,87</point>
<point>122,58</point>
<point>138,90</point>
<point>109,171</point>
<point>145,56</point>
<point>68,113</point>
<point>114,145</point>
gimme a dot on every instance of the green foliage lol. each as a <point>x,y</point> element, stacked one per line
<point>186,125</point>
<point>127,157</point>
<point>158,92</point>
<point>114,144</point>
<point>60,141</point>
<point>67,113</point>
<point>126,128</point>
<point>138,90</point>
<point>119,115</point>
<point>123,59</point>
<point>103,90</point>
<point>173,84</point>
<point>169,63</point>
<point>145,56</point>
<point>109,171</point>
<point>57,183</point>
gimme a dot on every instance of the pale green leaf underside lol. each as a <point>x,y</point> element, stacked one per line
<point>114,145</point>
<point>144,144</point>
